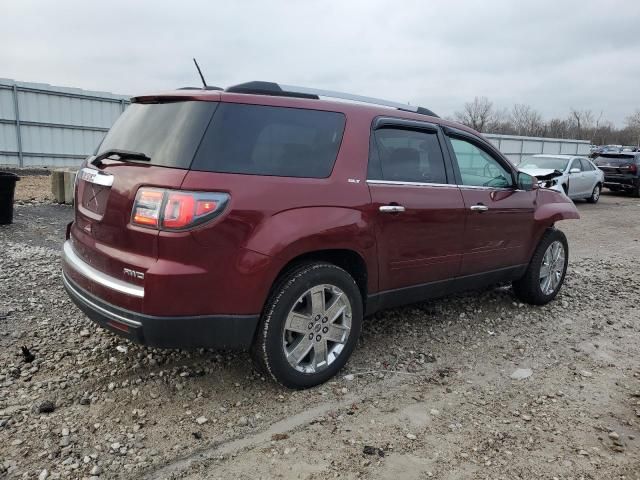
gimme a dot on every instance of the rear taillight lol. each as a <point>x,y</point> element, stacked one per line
<point>146,208</point>
<point>175,209</point>
<point>633,168</point>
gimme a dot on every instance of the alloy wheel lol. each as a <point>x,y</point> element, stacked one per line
<point>552,267</point>
<point>317,328</point>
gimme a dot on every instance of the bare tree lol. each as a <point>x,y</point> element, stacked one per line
<point>581,120</point>
<point>557,128</point>
<point>481,115</point>
<point>526,121</point>
<point>477,114</point>
<point>633,125</point>
<point>500,122</point>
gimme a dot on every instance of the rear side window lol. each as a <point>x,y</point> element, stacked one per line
<point>168,133</point>
<point>586,165</point>
<point>407,156</point>
<point>576,164</point>
<point>263,140</point>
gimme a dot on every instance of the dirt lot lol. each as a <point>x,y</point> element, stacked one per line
<point>428,394</point>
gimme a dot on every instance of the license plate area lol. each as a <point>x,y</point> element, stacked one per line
<point>93,190</point>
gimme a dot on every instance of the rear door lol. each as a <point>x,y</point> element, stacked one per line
<point>591,175</point>
<point>419,209</point>
<point>499,217</point>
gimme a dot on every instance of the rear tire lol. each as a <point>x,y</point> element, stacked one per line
<point>310,325</point>
<point>595,195</point>
<point>546,271</point>
<point>636,191</point>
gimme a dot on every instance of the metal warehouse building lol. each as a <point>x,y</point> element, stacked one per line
<point>43,125</point>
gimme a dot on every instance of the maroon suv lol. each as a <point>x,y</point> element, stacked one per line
<point>264,217</point>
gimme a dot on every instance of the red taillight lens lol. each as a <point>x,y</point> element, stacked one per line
<point>633,168</point>
<point>179,211</point>
<point>175,209</point>
<point>146,209</point>
<point>205,206</point>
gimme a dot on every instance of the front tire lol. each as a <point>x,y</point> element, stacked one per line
<point>546,271</point>
<point>595,195</point>
<point>310,325</point>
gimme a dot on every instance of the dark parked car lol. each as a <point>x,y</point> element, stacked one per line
<point>268,218</point>
<point>621,171</point>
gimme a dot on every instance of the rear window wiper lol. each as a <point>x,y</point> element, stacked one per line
<point>123,156</point>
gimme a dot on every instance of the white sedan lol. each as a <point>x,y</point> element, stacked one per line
<point>577,177</point>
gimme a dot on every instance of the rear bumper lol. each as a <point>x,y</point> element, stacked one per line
<point>206,331</point>
<point>621,181</point>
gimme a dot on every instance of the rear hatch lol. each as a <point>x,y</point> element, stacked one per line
<point>168,134</point>
<point>617,164</point>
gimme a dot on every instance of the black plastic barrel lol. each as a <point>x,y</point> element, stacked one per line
<point>7,190</point>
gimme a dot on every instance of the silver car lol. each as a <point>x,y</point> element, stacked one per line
<point>577,177</point>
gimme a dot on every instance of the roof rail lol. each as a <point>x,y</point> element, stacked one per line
<point>208,87</point>
<point>271,88</point>
<point>268,88</point>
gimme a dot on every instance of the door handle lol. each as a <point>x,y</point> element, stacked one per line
<point>479,208</point>
<point>391,208</point>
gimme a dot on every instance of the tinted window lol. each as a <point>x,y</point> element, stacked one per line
<point>615,159</point>
<point>407,156</point>
<point>169,133</point>
<point>477,167</point>
<point>261,140</point>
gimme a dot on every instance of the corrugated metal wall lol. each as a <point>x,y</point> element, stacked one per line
<point>43,125</point>
<point>514,147</point>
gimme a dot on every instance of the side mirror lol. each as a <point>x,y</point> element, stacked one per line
<point>575,170</point>
<point>526,182</point>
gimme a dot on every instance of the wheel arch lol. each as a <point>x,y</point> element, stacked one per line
<point>347,259</point>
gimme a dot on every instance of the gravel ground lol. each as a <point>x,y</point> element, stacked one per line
<point>472,386</point>
<point>33,189</point>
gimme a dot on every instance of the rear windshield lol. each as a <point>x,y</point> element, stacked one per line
<point>613,159</point>
<point>168,133</point>
<point>263,140</point>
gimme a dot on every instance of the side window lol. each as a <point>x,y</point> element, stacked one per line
<point>406,156</point>
<point>477,167</point>
<point>586,165</point>
<point>576,164</point>
<point>263,140</point>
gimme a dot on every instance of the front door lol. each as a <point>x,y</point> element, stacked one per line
<point>579,179</point>
<point>419,213</point>
<point>499,217</point>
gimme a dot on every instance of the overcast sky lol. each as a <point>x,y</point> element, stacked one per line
<point>551,54</point>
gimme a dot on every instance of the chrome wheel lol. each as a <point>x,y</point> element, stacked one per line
<point>596,193</point>
<point>552,267</point>
<point>317,328</point>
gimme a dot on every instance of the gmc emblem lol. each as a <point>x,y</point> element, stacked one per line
<point>133,274</point>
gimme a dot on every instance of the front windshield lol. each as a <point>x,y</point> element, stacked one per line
<point>544,163</point>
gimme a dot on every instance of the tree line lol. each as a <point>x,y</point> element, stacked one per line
<point>521,119</point>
